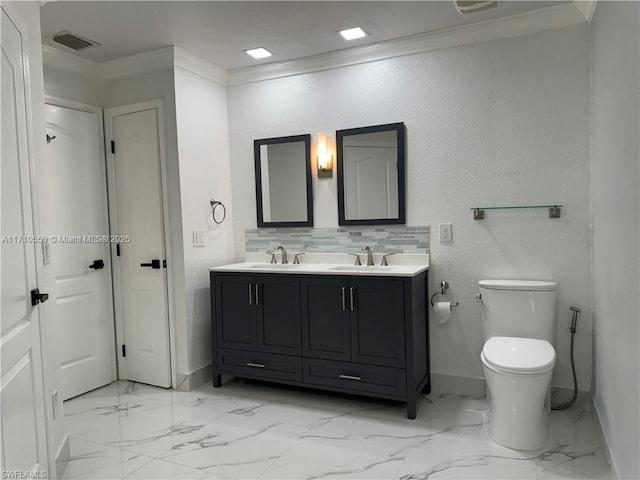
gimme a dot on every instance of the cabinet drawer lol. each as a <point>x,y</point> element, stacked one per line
<point>355,377</point>
<point>267,365</point>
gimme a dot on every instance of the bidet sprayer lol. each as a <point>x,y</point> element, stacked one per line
<point>574,319</point>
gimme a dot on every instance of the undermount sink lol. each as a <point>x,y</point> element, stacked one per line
<point>362,268</point>
<point>273,266</point>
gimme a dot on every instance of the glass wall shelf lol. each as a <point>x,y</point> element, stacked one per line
<point>554,210</point>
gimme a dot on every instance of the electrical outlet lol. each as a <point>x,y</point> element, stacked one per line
<point>198,238</point>
<point>446,233</point>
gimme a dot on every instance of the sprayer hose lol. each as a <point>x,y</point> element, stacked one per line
<point>566,405</point>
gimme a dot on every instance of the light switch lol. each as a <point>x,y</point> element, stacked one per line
<point>198,238</point>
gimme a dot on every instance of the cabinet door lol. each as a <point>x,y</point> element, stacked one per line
<point>235,312</point>
<point>377,335</point>
<point>278,310</point>
<point>326,318</point>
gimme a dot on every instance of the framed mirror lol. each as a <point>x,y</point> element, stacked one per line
<point>283,181</point>
<point>371,166</point>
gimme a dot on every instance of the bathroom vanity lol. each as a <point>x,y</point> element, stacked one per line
<point>345,328</point>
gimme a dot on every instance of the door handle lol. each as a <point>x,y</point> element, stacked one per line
<point>97,264</point>
<point>37,297</point>
<point>256,365</point>
<point>250,295</point>
<point>350,377</point>
<point>344,300</point>
<point>155,264</point>
<point>257,294</point>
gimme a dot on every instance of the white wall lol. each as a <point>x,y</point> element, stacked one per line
<point>61,83</point>
<point>615,154</point>
<point>497,123</point>
<point>203,145</point>
<point>29,15</point>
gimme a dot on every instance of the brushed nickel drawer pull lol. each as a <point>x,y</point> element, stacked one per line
<point>250,295</point>
<point>351,297</point>
<point>344,299</point>
<point>350,377</point>
<point>256,365</point>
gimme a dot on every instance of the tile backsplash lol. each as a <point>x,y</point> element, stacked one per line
<point>382,239</point>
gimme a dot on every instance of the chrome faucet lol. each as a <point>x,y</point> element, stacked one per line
<point>369,255</point>
<point>284,254</point>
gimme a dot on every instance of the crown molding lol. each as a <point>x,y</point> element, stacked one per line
<point>586,7</point>
<point>199,66</point>
<point>57,58</point>
<point>137,64</point>
<point>513,26</point>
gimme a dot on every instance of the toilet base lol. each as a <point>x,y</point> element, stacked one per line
<point>519,408</point>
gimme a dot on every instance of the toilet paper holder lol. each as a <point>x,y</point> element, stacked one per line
<point>443,286</point>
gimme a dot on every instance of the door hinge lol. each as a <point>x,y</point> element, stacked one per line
<point>113,146</point>
<point>124,351</point>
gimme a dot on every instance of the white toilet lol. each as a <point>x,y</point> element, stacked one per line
<point>518,319</point>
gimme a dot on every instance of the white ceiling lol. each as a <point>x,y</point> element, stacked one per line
<point>220,31</point>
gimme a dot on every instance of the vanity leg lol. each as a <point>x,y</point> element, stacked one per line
<point>427,388</point>
<point>411,408</point>
<point>217,380</point>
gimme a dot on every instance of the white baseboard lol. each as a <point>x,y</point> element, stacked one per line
<point>189,381</point>
<point>470,387</point>
<point>62,457</point>
<point>603,440</point>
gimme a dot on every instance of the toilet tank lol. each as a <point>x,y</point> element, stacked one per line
<point>518,308</point>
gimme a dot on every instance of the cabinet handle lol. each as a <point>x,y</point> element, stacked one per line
<point>344,300</point>
<point>257,294</point>
<point>250,295</point>
<point>350,377</point>
<point>351,297</point>
<point>256,365</point>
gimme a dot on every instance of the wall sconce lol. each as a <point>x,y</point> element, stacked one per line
<point>324,158</point>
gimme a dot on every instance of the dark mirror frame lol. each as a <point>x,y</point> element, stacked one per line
<point>258,178</point>
<point>399,128</point>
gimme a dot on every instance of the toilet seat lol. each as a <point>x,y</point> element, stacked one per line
<point>523,356</point>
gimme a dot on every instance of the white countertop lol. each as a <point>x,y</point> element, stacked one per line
<point>400,265</point>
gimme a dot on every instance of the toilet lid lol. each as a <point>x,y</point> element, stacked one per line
<point>528,285</point>
<point>519,355</point>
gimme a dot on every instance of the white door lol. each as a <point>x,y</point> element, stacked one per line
<point>371,179</point>
<point>21,385</point>
<point>81,256</point>
<point>141,278</point>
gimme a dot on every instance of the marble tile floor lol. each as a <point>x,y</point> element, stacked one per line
<point>254,430</point>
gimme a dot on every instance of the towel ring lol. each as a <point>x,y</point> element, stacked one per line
<point>215,204</point>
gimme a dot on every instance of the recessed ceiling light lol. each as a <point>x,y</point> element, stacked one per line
<point>258,52</point>
<point>353,33</point>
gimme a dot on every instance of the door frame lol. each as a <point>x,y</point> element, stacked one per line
<point>84,107</point>
<point>109,114</point>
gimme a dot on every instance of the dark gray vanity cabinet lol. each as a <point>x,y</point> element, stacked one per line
<point>354,334</point>
<point>357,320</point>
<point>258,318</point>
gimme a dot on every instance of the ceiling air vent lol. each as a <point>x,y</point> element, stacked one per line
<point>471,6</point>
<point>75,42</point>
